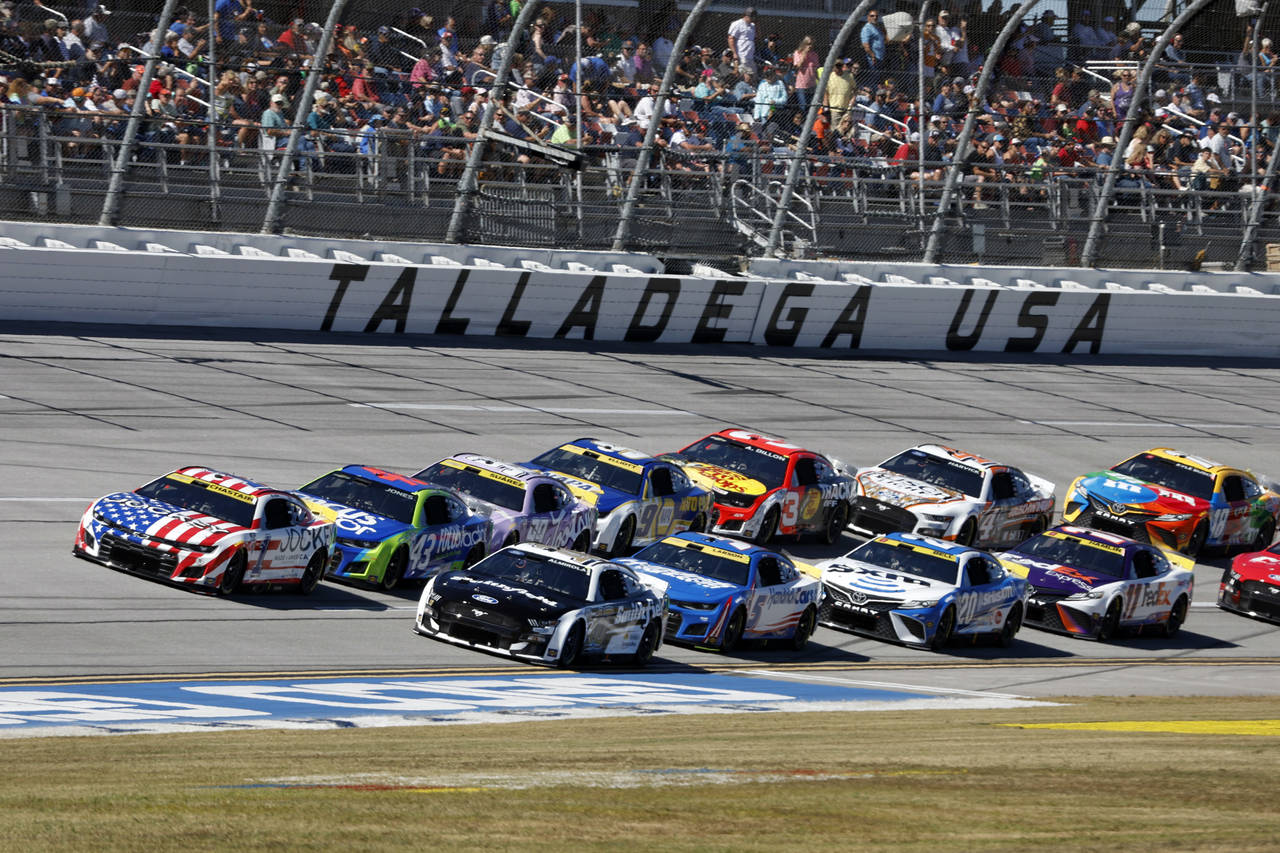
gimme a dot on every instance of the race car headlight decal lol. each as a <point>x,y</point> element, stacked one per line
<point>735,499</point>
<point>1084,596</point>
<point>920,603</point>
<point>1173,516</point>
<point>543,627</point>
<point>695,605</point>
<point>358,543</point>
<point>938,519</point>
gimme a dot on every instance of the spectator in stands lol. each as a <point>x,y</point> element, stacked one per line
<point>1122,92</point>
<point>873,41</point>
<point>840,89</point>
<point>742,39</point>
<point>95,26</point>
<point>953,38</point>
<point>805,62</point>
<point>771,93</point>
<point>232,13</point>
<point>275,128</point>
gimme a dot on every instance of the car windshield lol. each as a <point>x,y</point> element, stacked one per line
<point>537,572</point>
<point>707,564</point>
<point>1150,468</point>
<point>496,489</point>
<point>200,496</point>
<point>946,473</point>
<point>909,561</point>
<point>592,470</point>
<point>1075,553</point>
<point>763,466</point>
<point>367,495</point>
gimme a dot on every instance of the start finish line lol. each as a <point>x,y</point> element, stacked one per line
<point>172,706</point>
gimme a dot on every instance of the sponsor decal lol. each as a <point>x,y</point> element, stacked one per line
<point>212,487</point>
<point>484,599</point>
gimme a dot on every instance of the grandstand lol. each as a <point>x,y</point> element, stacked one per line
<point>381,121</point>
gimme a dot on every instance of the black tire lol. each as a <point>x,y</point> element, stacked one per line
<point>804,628</point>
<point>572,648</point>
<point>513,538</point>
<point>968,531</point>
<point>583,542</point>
<point>1265,534</point>
<point>837,520</point>
<point>233,574</point>
<point>733,631</point>
<point>394,573</point>
<point>475,555</point>
<point>946,627</point>
<point>648,644</point>
<point>315,571</point>
<point>1177,616</point>
<point>1110,626</point>
<point>1040,525</point>
<point>699,524</point>
<point>1010,628</point>
<point>622,543</point>
<point>768,528</point>
<point>1198,537</point>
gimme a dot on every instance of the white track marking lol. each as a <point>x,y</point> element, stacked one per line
<point>46,500</point>
<point>1150,424</point>
<point>887,685</point>
<point>557,410</point>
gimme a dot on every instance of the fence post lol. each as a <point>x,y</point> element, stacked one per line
<point>1244,262</point>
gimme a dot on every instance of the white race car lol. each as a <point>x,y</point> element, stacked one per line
<point>949,494</point>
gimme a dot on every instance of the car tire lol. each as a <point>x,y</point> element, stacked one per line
<point>1198,537</point>
<point>1110,626</point>
<point>733,631</point>
<point>622,542</point>
<point>968,532</point>
<point>572,648</point>
<point>1265,534</point>
<point>946,627</point>
<point>648,644</point>
<point>583,542</point>
<point>768,527</point>
<point>475,555</point>
<point>233,574</point>
<point>315,571</point>
<point>1177,616</point>
<point>394,572</point>
<point>1010,628</point>
<point>837,520</point>
<point>804,629</point>
<point>699,524</point>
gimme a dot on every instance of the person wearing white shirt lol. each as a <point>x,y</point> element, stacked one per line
<point>647,106</point>
<point>770,94</point>
<point>742,39</point>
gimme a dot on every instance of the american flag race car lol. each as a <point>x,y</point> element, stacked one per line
<point>209,531</point>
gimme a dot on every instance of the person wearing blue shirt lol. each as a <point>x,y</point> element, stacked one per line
<point>873,41</point>
<point>230,13</point>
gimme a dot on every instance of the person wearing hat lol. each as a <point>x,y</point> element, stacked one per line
<point>275,128</point>
<point>95,26</point>
<point>742,39</point>
<point>771,93</point>
<point>840,89</point>
<point>953,38</point>
<point>740,148</point>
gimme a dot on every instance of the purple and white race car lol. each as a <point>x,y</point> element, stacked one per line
<point>524,505</point>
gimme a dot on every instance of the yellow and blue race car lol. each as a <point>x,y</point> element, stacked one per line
<point>638,498</point>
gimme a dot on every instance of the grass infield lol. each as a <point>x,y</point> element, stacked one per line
<point>922,780</point>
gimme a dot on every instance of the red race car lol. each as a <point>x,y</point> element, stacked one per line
<point>765,486</point>
<point>1252,585</point>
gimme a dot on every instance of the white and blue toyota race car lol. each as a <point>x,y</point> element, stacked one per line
<point>912,589</point>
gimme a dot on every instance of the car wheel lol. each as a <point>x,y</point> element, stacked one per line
<point>733,631</point>
<point>1011,626</point>
<point>1198,537</point>
<point>648,644</point>
<point>1110,626</point>
<point>1177,616</point>
<point>315,570</point>
<point>837,520</point>
<point>583,542</point>
<point>394,572</point>
<point>699,524</point>
<point>1265,534</point>
<point>1040,525</point>
<point>768,528</point>
<point>572,648</point>
<point>804,629</point>
<point>475,555</point>
<point>512,538</point>
<point>968,531</point>
<point>946,627</point>
<point>233,574</point>
<point>622,542</point>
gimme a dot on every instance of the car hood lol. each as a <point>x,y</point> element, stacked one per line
<point>1112,488</point>
<point>135,513</point>
<point>881,485</point>
<point>719,479</point>
<point>1258,566</point>
<point>1053,577</point>
<point>514,599</point>
<point>355,523</point>
<point>684,586</point>
<point>875,582</point>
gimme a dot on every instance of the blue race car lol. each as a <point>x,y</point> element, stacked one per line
<point>921,591</point>
<point>721,591</point>
<point>392,527</point>
<point>638,498</point>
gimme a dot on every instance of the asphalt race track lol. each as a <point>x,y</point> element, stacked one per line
<point>86,412</point>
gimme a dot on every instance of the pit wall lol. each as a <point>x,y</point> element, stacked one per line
<point>82,274</point>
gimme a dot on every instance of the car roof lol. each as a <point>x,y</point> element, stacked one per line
<point>522,473</point>
<point>228,481</point>
<point>1198,462</point>
<point>616,453</point>
<point>723,543</point>
<point>761,441</point>
<point>1093,537</point>
<point>929,543</point>
<point>390,478</point>
<point>577,558</point>
<point>951,454</point>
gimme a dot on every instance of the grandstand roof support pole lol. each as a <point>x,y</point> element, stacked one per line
<point>1090,254</point>
<point>1244,262</point>
<point>111,203</point>
<point>275,209</point>
<point>802,143</point>
<point>468,185</point>
<point>651,134</point>
<point>966,132</point>
<point>920,125</point>
<point>211,132</point>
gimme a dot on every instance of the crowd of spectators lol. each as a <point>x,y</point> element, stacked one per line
<point>420,81</point>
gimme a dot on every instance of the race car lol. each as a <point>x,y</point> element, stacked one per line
<point>1093,584</point>
<point>392,527</point>
<point>920,591</point>
<point>722,591</point>
<point>765,486</point>
<point>523,505</point>
<point>1176,501</point>
<point>209,531</point>
<point>546,605</point>
<point>1252,585</point>
<point>638,498</point>
<point>949,494</point>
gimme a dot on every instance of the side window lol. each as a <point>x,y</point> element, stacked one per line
<point>1233,488</point>
<point>277,514</point>
<point>787,572</point>
<point>544,498</point>
<point>767,569</point>
<point>1021,485</point>
<point>564,499</point>
<point>631,584</point>
<point>1144,564</point>
<point>806,472</point>
<point>1001,486</point>
<point>456,508</point>
<point>823,470</point>
<point>612,587</point>
<point>660,480</point>
<point>979,571</point>
<point>1252,491</point>
<point>435,510</point>
<point>679,482</point>
<point>299,515</point>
